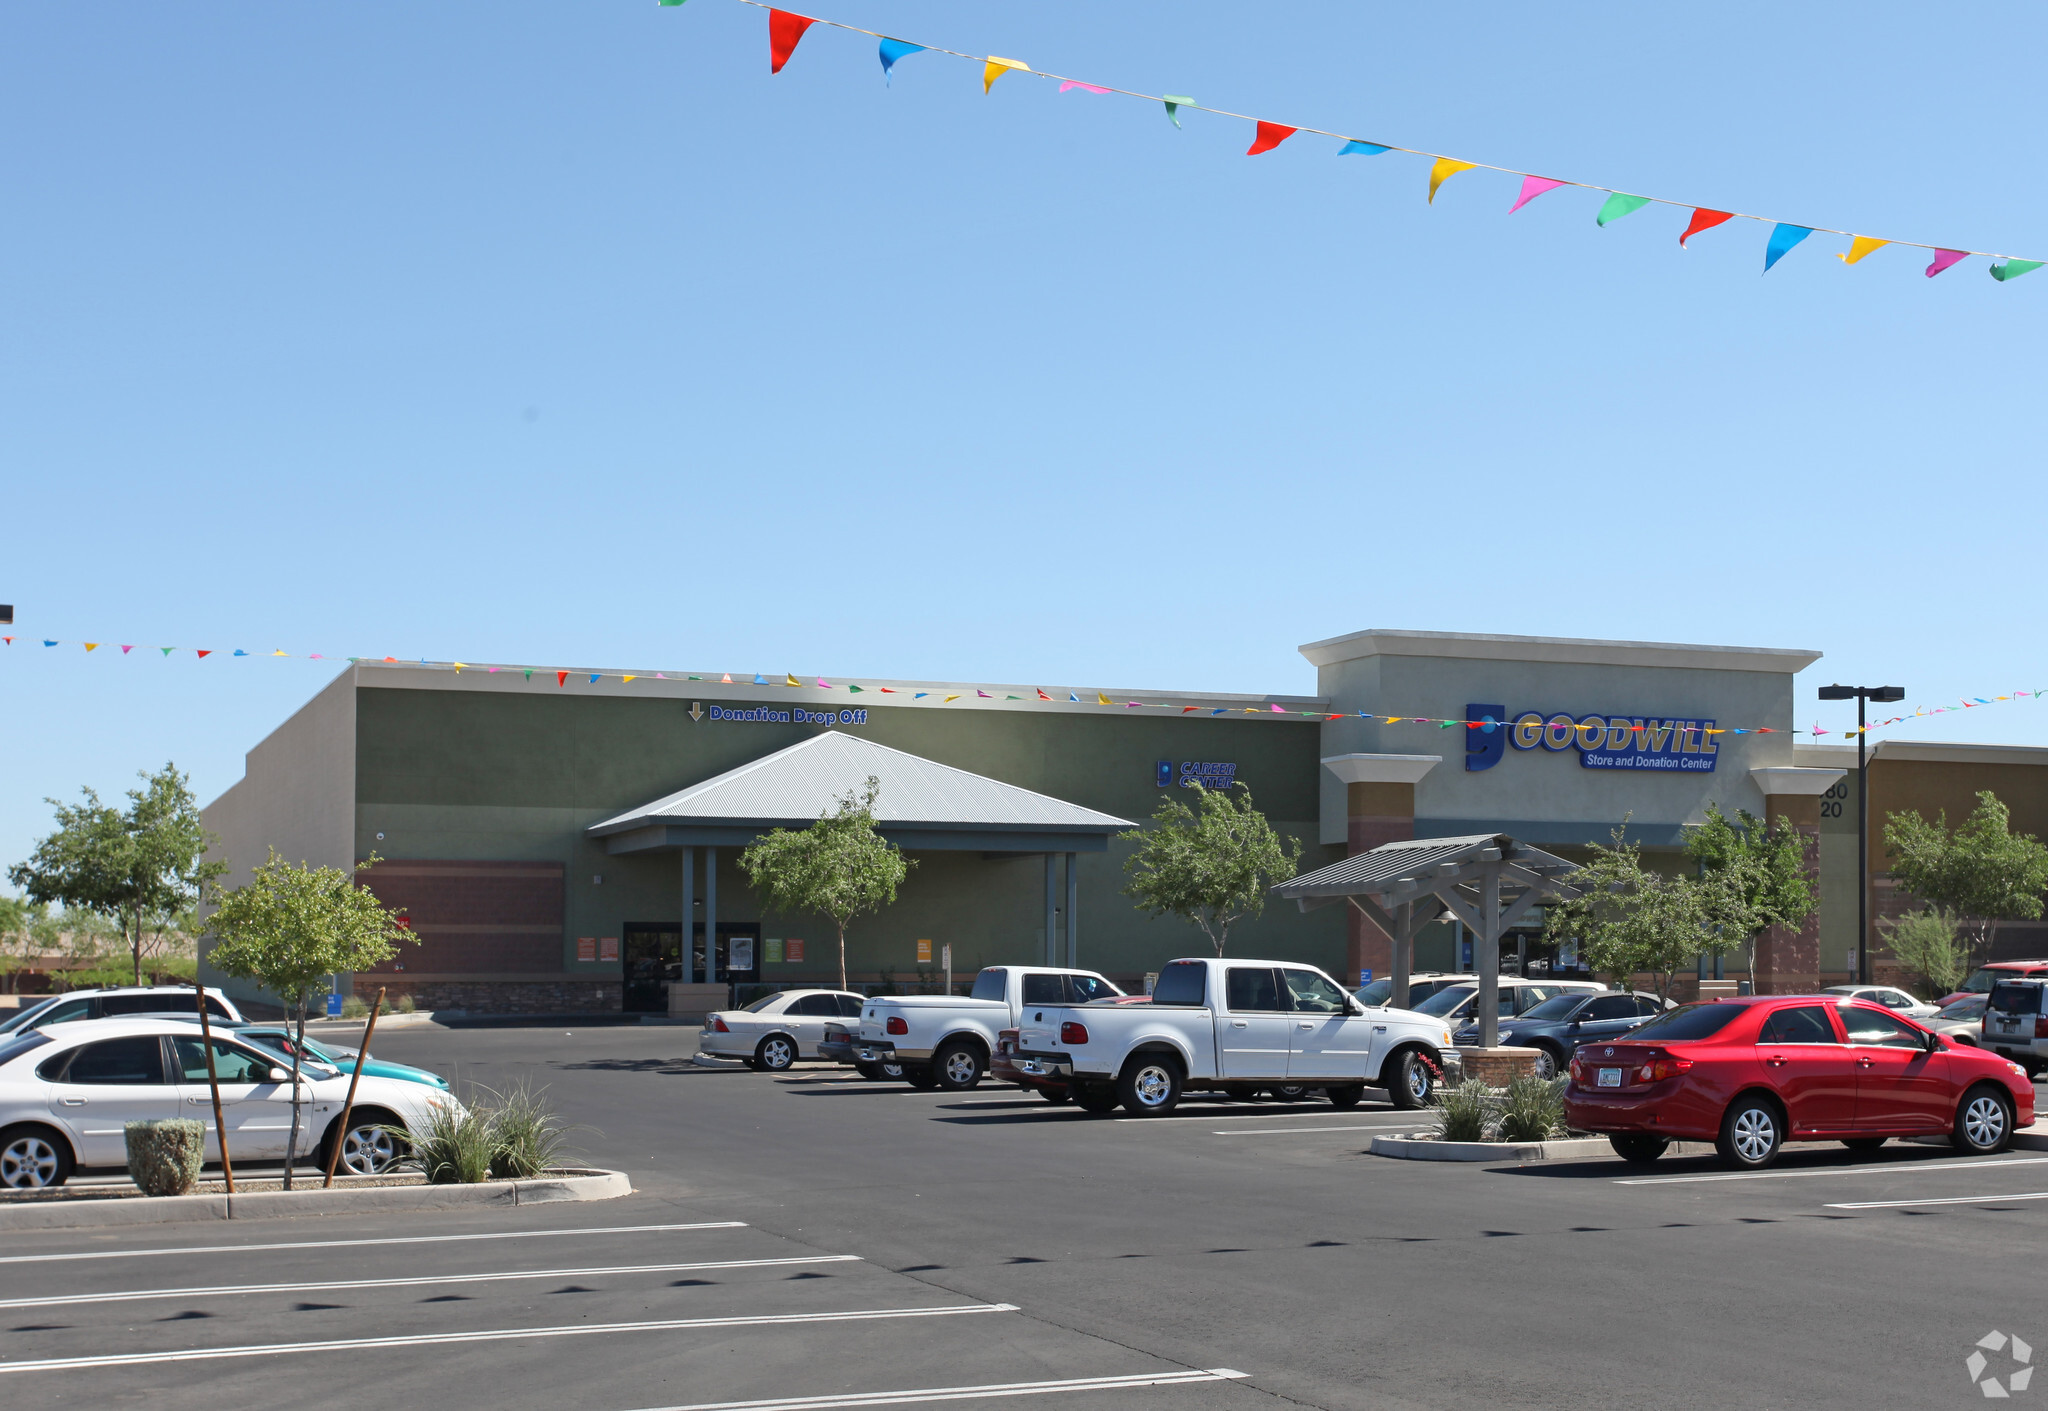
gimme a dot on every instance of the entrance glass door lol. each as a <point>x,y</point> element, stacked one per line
<point>653,955</point>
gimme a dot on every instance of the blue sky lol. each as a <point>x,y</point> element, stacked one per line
<point>567,334</point>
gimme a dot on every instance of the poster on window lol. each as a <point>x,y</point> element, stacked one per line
<point>740,953</point>
<point>586,947</point>
<point>608,948</point>
<point>793,951</point>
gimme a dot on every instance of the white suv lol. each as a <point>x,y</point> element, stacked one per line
<point>2016,1023</point>
<point>123,1002</point>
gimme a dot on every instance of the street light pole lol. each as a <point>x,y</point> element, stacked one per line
<point>1862,695</point>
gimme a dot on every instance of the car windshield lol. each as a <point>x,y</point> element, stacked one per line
<point>1374,994</point>
<point>1971,1008</point>
<point>1556,1007</point>
<point>308,1065</point>
<point>1981,981</point>
<point>1446,1000</point>
<point>15,1045</point>
<point>1689,1021</point>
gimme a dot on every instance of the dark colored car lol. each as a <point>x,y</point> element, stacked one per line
<point>1556,1027</point>
<point>1984,977</point>
<point>1751,1074</point>
<point>837,1047</point>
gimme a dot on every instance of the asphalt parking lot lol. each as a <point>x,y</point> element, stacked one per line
<point>814,1240</point>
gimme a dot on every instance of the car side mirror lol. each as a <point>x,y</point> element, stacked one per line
<point>279,1075</point>
<point>1933,1042</point>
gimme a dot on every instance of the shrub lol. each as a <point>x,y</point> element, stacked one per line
<point>354,1008</point>
<point>1532,1109</point>
<point>403,1005</point>
<point>164,1157</point>
<point>454,1146</point>
<point>1464,1113</point>
<point>528,1138</point>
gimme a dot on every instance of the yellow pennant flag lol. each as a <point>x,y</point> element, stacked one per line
<point>789,680</point>
<point>458,665</point>
<point>1863,245</point>
<point>950,698</point>
<point>994,69</point>
<point>1101,699</point>
<point>90,645</point>
<point>630,678</point>
<point>1443,171</point>
<point>280,652</point>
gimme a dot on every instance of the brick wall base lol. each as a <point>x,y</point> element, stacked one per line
<point>564,996</point>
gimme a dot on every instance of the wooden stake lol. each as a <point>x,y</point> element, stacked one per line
<point>220,1126</point>
<point>341,1131</point>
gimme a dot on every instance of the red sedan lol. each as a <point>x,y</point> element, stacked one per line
<point>1752,1074</point>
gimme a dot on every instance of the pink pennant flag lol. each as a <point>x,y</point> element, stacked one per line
<point>1084,87</point>
<point>983,694</point>
<point>1278,711</point>
<point>1943,259</point>
<point>126,649</point>
<point>823,684</point>
<point>1532,187</point>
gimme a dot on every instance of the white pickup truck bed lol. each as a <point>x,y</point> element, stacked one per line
<point>944,1041</point>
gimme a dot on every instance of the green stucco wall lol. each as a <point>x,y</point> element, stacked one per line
<point>458,774</point>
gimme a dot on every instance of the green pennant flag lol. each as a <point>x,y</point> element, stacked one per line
<point>1173,102</point>
<point>856,689</point>
<point>168,650</point>
<point>1618,205</point>
<point>2013,269</point>
<point>529,673</point>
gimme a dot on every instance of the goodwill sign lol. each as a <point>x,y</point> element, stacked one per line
<point>1602,741</point>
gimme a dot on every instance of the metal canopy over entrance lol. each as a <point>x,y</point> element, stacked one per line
<point>1487,880</point>
<point>921,805</point>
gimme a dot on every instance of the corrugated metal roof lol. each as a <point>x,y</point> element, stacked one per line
<point>1374,871</point>
<point>795,786</point>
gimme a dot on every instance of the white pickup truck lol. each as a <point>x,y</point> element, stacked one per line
<point>1236,1026</point>
<point>943,1041</point>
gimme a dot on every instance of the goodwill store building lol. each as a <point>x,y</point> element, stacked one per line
<point>564,844</point>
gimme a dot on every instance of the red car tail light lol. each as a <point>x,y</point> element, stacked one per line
<point>1664,1066</point>
<point>897,1025</point>
<point>1072,1033</point>
<point>718,1025</point>
<point>2041,1027</point>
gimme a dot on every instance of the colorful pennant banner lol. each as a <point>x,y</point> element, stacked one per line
<point>791,680</point>
<point>786,28</point>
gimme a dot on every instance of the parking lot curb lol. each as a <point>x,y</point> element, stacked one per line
<point>99,1211</point>
<point>1423,1148</point>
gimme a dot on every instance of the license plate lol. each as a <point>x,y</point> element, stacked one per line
<point>1610,1077</point>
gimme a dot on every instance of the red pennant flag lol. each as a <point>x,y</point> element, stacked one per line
<point>1703,219</point>
<point>890,691</point>
<point>561,678</point>
<point>1042,695</point>
<point>1271,135</point>
<point>206,651</point>
<point>784,30</point>
<point>1185,709</point>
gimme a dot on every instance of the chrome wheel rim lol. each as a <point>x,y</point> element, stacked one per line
<point>1546,1064</point>
<point>368,1151</point>
<point>1153,1085</point>
<point>892,1070</point>
<point>1418,1080</point>
<point>960,1068</point>
<point>1755,1134</point>
<point>28,1163</point>
<point>1984,1121</point>
<point>776,1054</point>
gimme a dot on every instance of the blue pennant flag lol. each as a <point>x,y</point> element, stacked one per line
<point>240,653</point>
<point>894,49</point>
<point>1783,238</point>
<point>759,679</point>
<point>1355,148</point>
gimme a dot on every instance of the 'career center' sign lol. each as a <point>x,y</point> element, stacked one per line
<point>1602,741</point>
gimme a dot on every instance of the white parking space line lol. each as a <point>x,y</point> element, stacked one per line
<point>344,1244</point>
<point>1290,1131</point>
<point>667,1325</point>
<point>1942,1200</point>
<point>1900,1168</point>
<point>897,1398</point>
<point>414,1281</point>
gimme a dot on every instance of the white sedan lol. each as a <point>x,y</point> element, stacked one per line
<point>776,1030</point>
<point>67,1092</point>
<point>1890,996</point>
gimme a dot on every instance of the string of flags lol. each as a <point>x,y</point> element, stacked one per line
<point>786,29</point>
<point>941,696</point>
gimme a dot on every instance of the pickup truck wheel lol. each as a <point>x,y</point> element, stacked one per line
<point>957,1067</point>
<point>1288,1092</point>
<point>1149,1086</point>
<point>878,1072</point>
<point>922,1079</point>
<point>1095,1097</point>
<point>1414,1082</point>
<point>1346,1097</point>
<point>1056,1096</point>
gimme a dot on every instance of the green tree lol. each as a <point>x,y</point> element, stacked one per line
<point>1630,919</point>
<point>21,938</point>
<point>839,867</point>
<point>291,927</point>
<point>129,867</point>
<point>1766,863</point>
<point>1926,942</point>
<point>1211,864</point>
<point>1983,871</point>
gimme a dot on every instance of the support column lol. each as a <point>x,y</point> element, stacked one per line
<point>1788,961</point>
<point>1404,954</point>
<point>689,914</point>
<point>1379,807</point>
<point>1052,937</point>
<point>710,916</point>
<point>1486,959</point>
<point>1073,914</point>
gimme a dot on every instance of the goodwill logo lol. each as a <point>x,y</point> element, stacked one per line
<point>1978,1365</point>
<point>1602,741</point>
